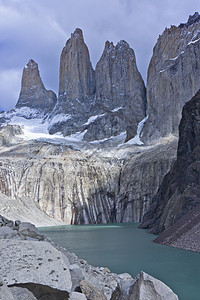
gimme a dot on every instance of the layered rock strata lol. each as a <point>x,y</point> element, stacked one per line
<point>33,267</point>
<point>80,187</point>
<point>179,192</point>
<point>33,94</point>
<point>173,78</point>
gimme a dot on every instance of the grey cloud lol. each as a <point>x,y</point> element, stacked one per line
<point>39,30</point>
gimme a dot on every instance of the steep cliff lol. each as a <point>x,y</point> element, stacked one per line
<point>100,103</point>
<point>76,86</point>
<point>120,93</point>
<point>91,185</point>
<point>179,192</point>
<point>140,178</point>
<point>173,77</point>
<point>33,93</point>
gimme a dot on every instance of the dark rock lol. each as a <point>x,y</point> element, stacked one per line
<point>179,192</point>
<point>37,291</point>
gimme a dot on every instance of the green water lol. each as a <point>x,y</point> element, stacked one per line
<point>124,248</point>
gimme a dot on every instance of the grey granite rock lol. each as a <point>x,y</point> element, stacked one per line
<point>148,287</point>
<point>81,187</point>
<point>33,262</point>
<point>77,296</point>
<point>103,103</point>
<point>33,93</point>
<point>91,292</point>
<point>5,293</point>
<point>173,79</point>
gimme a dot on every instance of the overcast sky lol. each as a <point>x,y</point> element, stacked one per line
<point>39,29</point>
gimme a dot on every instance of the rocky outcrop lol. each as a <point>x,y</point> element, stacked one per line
<point>179,192</point>
<point>148,287</point>
<point>33,93</point>
<point>33,267</point>
<point>173,78</point>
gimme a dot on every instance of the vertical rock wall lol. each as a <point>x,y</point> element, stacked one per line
<point>173,78</point>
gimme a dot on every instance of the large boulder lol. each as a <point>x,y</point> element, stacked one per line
<point>148,287</point>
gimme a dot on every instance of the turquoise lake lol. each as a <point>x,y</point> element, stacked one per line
<point>125,248</point>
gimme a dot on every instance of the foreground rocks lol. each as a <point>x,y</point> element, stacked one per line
<point>148,287</point>
<point>33,267</point>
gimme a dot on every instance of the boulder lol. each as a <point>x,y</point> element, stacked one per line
<point>25,262</point>
<point>77,296</point>
<point>91,292</point>
<point>148,287</point>
<point>5,293</point>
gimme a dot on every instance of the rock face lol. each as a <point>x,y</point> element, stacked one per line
<point>100,103</point>
<point>76,86</point>
<point>184,233</point>
<point>80,187</point>
<point>148,287</point>
<point>173,78</point>
<point>140,178</point>
<point>179,192</point>
<point>120,93</point>
<point>77,80</point>
<point>33,267</point>
<point>33,93</point>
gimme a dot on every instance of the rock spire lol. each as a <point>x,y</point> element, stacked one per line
<point>33,93</point>
<point>76,73</point>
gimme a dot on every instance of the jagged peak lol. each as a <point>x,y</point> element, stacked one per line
<point>31,64</point>
<point>108,45</point>
<point>120,45</point>
<point>78,34</point>
<point>195,18</point>
<point>123,44</point>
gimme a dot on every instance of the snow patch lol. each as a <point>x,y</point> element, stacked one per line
<point>117,108</point>
<point>59,118</point>
<point>78,136</point>
<point>193,42</point>
<point>121,136</point>
<point>93,118</point>
<point>136,140</point>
